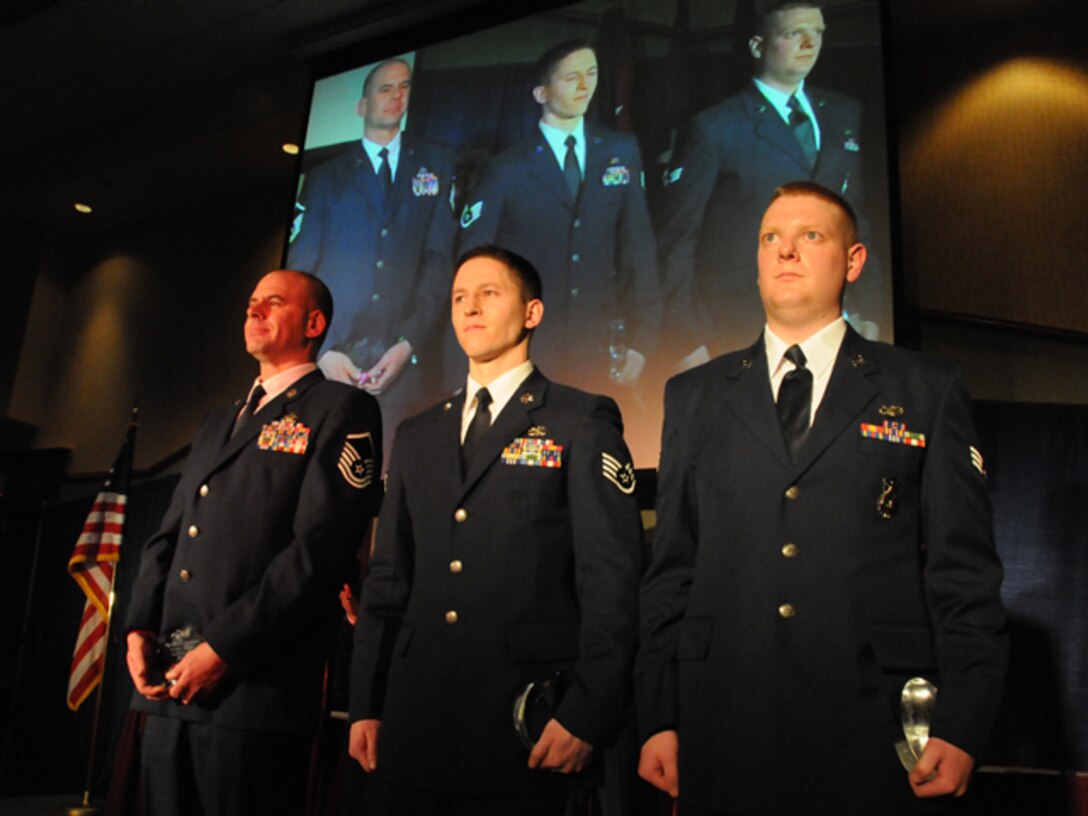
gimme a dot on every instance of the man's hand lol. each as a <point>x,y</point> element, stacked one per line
<point>388,368</point>
<point>632,368</point>
<point>363,743</point>
<point>559,750</point>
<point>941,770</point>
<point>196,674</point>
<point>338,367</point>
<point>657,763</point>
<point>141,651</point>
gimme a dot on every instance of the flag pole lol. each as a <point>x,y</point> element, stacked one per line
<point>85,808</point>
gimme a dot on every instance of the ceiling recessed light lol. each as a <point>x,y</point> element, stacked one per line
<point>290,149</point>
<point>82,208</point>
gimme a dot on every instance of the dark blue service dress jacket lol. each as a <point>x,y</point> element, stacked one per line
<point>388,263</point>
<point>596,255</point>
<point>261,531</point>
<point>525,565</point>
<point>734,156</point>
<point>786,604</point>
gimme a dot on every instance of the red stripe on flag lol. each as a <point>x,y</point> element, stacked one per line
<point>87,666</point>
<point>92,567</point>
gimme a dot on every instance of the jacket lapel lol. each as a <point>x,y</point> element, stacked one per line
<point>448,441</point>
<point>770,128</point>
<point>514,420</point>
<point>832,131</point>
<point>852,386</point>
<point>597,159</point>
<point>251,426</point>
<point>406,170</point>
<point>546,170</point>
<point>366,182</point>
<point>748,395</point>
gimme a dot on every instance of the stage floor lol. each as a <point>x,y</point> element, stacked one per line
<point>53,805</point>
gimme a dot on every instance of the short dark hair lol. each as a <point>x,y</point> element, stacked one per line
<point>550,59</point>
<point>811,189</point>
<point>320,299</point>
<point>391,61</point>
<point>520,267</point>
<point>764,16</point>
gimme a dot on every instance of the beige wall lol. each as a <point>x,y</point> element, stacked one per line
<point>995,195</point>
<point>158,321</point>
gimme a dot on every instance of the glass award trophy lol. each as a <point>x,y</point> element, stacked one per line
<point>916,704</point>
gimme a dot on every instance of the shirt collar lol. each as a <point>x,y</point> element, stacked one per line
<point>780,99</point>
<point>501,389</point>
<point>373,149</point>
<point>278,383</point>
<point>820,349</point>
<point>557,141</point>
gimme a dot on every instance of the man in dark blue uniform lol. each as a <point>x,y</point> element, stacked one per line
<point>735,154</point>
<point>501,559</point>
<point>824,534</point>
<point>376,225</point>
<point>275,500</point>
<point>570,198</point>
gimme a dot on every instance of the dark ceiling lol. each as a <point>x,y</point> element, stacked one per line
<point>129,104</point>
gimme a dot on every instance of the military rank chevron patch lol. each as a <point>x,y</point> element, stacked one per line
<point>621,475</point>
<point>356,463</point>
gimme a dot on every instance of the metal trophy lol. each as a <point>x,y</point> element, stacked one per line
<point>916,704</point>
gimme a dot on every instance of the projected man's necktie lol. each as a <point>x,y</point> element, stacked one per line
<point>571,172</point>
<point>385,174</point>
<point>803,130</point>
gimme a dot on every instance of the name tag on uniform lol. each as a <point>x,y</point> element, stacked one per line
<point>284,435</point>
<point>533,453</point>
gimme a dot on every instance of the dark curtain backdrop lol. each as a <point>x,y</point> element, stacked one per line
<point>1037,460</point>
<point>46,743</point>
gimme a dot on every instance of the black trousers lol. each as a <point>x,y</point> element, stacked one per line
<point>194,769</point>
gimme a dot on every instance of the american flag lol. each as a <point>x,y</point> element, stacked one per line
<point>92,566</point>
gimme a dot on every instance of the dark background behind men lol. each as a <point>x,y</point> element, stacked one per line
<point>224,222</point>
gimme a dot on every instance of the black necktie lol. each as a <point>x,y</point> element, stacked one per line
<point>795,401</point>
<point>385,173</point>
<point>250,408</point>
<point>803,130</point>
<point>478,428</point>
<point>255,399</point>
<point>571,172</point>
